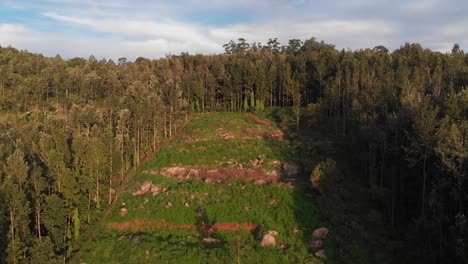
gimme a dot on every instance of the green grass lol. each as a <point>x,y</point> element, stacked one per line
<point>267,206</point>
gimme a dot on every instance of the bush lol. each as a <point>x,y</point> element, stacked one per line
<point>322,174</point>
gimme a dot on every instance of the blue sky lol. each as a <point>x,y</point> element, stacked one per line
<point>133,28</point>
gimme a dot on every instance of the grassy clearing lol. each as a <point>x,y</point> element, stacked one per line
<point>267,206</point>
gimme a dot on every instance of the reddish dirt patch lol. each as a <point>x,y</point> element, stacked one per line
<point>139,225</point>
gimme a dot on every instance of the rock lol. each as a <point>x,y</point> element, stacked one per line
<point>208,240</point>
<point>135,239</point>
<point>273,202</point>
<point>273,233</point>
<point>268,240</point>
<point>176,172</point>
<point>247,208</point>
<point>290,169</point>
<point>121,238</point>
<point>295,231</point>
<point>145,186</point>
<point>274,135</point>
<point>284,246</point>
<point>316,243</point>
<point>145,201</point>
<point>123,211</point>
<point>201,212</point>
<point>208,180</point>
<point>169,205</point>
<point>320,233</point>
<point>254,162</point>
<point>261,159</point>
<point>321,254</point>
<point>260,182</point>
<point>275,162</point>
<point>186,205</point>
<point>155,190</point>
<point>193,173</point>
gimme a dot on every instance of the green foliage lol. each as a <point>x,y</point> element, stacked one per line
<point>54,219</point>
<point>323,174</point>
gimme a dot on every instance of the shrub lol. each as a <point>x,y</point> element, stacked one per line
<point>322,174</point>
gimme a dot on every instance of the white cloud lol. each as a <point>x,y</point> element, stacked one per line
<point>153,28</point>
<point>151,39</point>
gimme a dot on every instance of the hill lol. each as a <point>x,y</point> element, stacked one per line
<point>211,195</point>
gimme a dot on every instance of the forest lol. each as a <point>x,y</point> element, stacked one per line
<point>71,130</point>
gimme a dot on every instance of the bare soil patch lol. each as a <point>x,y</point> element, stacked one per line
<point>141,225</point>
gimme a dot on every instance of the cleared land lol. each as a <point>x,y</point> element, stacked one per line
<point>211,196</point>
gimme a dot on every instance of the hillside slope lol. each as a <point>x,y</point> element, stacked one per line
<point>225,187</point>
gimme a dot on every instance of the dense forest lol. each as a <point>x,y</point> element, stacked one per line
<point>70,130</point>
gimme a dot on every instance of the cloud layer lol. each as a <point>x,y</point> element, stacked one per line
<point>137,28</point>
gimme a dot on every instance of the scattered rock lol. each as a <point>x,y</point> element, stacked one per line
<point>273,202</point>
<point>123,211</point>
<point>247,208</point>
<point>295,231</point>
<point>284,246</point>
<point>121,238</point>
<point>208,180</point>
<point>193,173</point>
<point>186,205</point>
<point>268,240</point>
<point>316,243</point>
<point>135,239</point>
<point>274,135</point>
<point>254,162</point>
<point>209,240</point>
<point>275,162</point>
<point>177,172</point>
<point>321,254</point>
<point>320,233</point>
<point>273,233</point>
<point>260,182</point>
<point>290,169</point>
<point>169,205</point>
<point>201,212</point>
<point>145,186</point>
<point>225,134</point>
<point>145,201</point>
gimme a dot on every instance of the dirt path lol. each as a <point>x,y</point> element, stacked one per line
<point>137,225</point>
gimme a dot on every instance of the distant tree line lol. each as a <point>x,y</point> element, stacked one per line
<point>71,129</point>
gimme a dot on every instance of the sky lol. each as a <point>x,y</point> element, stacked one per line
<point>153,29</point>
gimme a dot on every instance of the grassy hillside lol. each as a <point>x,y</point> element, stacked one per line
<point>207,211</point>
